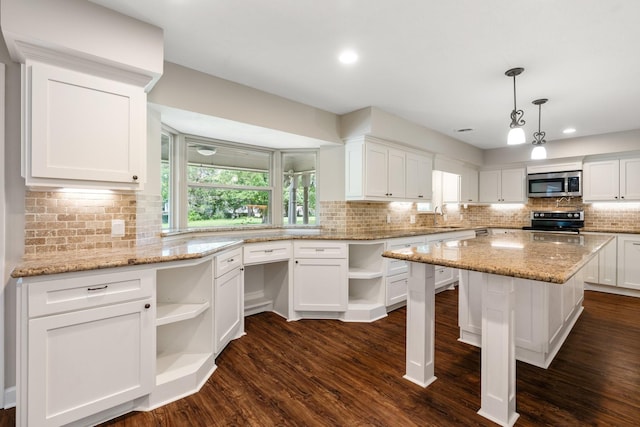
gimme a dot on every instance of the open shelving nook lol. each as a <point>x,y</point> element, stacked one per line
<point>366,282</point>
<point>184,330</point>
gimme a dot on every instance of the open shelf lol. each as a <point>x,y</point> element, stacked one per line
<point>171,367</point>
<point>364,273</point>
<point>171,313</point>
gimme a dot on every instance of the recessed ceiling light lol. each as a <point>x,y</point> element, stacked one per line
<point>569,130</point>
<point>348,57</point>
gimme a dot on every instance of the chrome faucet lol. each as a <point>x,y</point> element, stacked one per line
<point>435,216</point>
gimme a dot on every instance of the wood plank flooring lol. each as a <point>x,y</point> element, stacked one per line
<point>329,373</point>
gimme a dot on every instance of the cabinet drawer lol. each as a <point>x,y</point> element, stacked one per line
<point>397,289</point>
<point>319,249</point>
<point>228,261</point>
<point>258,253</point>
<point>444,275</point>
<point>85,290</point>
<point>398,266</point>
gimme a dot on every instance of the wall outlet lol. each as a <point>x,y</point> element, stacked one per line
<point>117,227</point>
<point>388,219</point>
<point>412,219</point>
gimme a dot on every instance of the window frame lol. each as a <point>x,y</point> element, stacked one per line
<point>179,185</point>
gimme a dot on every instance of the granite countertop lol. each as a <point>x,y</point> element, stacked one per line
<point>185,246</point>
<point>545,257</point>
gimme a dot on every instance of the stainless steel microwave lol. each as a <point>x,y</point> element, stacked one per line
<point>555,184</point>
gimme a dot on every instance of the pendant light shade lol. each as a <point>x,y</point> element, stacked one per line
<point>516,134</point>
<point>539,152</point>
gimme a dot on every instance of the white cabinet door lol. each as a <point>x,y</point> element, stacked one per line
<point>630,179</point>
<point>512,185</point>
<point>418,177</point>
<point>320,284</point>
<point>468,185</point>
<point>376,170</point>
<point>396,174</point>
<point>450,187</point>
<point>83,128</point>
<point>87,361</point>
<point>607,264</point>
<point>229,309</point>
<point>629,261</point>
<point>396,290</point>
<point>489,188</point>
<point>601,180</point>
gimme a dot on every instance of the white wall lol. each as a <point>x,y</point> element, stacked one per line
<point>376,122</point>
<point>594,145</point>
<point>86,30</point>
<point>14,214</point>
<point>191,90</point>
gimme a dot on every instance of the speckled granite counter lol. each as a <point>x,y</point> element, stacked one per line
<point>545,257</point>
<point>184,247</point>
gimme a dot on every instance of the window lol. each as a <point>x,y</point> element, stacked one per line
<point>299,188</point>
<point>210,183</point>
<point>227,185</point>
<point>165,176</point>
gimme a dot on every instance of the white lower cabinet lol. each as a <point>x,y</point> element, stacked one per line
<point>629,261</point>
<point>85,346</point>
<point>185,355</point>
<point>320,276</point>
<point>398,271</point>
<point>445,276</point>
<point>545,314</point>
<point>228,297</point>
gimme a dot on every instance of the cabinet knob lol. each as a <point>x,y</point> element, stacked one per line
<point>135,177</point>
<point>147,306</point>
<point>622,197</point>
<point>296,261</point>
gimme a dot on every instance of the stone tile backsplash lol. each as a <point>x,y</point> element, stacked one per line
<point>61,221</point>
<point>356,217</point>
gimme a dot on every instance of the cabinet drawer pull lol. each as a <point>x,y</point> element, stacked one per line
<point>319,250</point>
<point>99,288</point>
<point>636,244</point>
<point>268,251</point>
<point>230,260</point>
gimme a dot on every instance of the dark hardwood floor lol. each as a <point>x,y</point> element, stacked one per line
<point>329,373</point>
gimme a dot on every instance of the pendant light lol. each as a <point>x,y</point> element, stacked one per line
<point>539,152</point>
<point>516,134</point>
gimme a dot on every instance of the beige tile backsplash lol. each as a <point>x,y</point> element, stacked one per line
<point>60,221</point>
<point>355,217</point>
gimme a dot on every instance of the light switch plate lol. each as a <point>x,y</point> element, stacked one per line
<point>117,228</point>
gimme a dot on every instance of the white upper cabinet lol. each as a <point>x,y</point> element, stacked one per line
<point>502,186</point>
<point>84,93</point>
<point>468,185</point>
<point>418,177</point>
<point>82,130</point>
<point>612,180</point>
<point>379,171</point>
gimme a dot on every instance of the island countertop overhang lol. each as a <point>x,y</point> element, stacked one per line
<point>545,257</point>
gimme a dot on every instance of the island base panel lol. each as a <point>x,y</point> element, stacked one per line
<point>421,325</point>
<point>498,361</point>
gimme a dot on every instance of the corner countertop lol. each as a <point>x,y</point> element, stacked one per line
<point>545,257</point>
<point>187,246</point>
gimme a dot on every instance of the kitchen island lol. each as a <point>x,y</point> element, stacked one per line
<point>508,261</point>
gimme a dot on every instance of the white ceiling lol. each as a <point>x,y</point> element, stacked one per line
<point>437,63</point>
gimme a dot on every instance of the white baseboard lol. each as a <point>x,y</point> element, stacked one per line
<point>10,397</point>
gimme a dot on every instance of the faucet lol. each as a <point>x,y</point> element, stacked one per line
<point>435,216</point>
